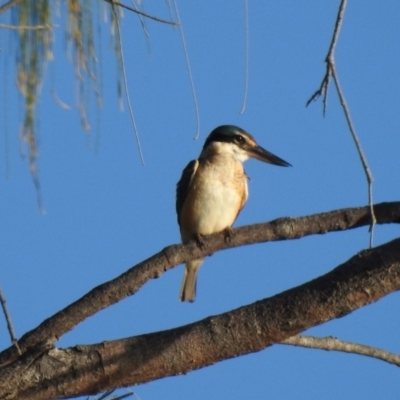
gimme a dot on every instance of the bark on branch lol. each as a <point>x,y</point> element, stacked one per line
<point>332,343</point>
<point>63,373</point>
<point>132,280</point>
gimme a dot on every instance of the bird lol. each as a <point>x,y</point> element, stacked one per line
<point>213,190</point>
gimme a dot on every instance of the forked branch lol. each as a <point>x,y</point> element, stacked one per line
<point>323,91</point>
<point>132,280</point>
<point>64,373</point>
<point>143,14</point>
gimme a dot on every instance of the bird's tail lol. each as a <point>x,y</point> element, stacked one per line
<point>188,288</point>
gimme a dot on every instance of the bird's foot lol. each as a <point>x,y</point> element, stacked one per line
<point>199,240</point>
<point>228,234</point>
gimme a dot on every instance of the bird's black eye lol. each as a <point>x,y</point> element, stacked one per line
<point>239,139</point>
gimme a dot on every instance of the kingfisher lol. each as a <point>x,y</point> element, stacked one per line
<point>213,190</point>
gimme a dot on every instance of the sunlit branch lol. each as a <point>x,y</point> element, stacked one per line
<point>85,369</point>
<point>133,279</point>
<point>332,343</point>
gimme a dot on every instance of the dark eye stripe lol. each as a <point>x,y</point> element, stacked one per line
<point>220,137</point>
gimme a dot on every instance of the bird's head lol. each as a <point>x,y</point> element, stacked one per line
<point>238,142</point>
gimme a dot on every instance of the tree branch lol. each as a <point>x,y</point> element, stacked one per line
<point>9,323</point>
<point>364,163</point>
<point>8,5</point>
<point>332,343</point>
<point>63,373</point>
<point>132,280</point>
<point>323,91</point>
<point>135,10</point>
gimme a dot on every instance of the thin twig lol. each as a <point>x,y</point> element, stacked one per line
<point>8,5</point>
<point>164,21</point>
<point>331,343</point>
<point>361,154</point>
<point>105,394</point>
<point>170,10</point>
<point>140,19</point>
<point>323,91</point>
<point>196,107</point>
<point>9,323</point>
<point>246,70</point>
<point>28,27</point>
<point>126,86</point>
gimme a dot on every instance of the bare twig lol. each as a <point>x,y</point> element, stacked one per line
<point>170,10</point>
<point>133,279</point>
<point>9,323</point>
<point>323,91</point>
<point>360,153</point>
<point>8,5</point>
<point>246,71</point>
<point>125,79</point>
<point>135,10</point>
<point>105,395</point>
<point>196,106</point>
<point>331,343</point>
<point>140,19</point>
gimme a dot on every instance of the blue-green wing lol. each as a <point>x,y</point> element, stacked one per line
<point>182,187</point>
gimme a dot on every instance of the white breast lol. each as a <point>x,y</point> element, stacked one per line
<point>218,191</point>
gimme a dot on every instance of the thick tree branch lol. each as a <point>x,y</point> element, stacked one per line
<point>332,343</point>
<point>132,280</point>
<point>62,373</point>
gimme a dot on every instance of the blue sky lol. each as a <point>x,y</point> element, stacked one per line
<point>106,212</point>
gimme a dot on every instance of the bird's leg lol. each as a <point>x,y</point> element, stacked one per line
<point>228,234</point>
<point>199,240</point>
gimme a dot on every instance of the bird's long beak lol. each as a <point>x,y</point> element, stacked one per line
<point>263,155</point>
